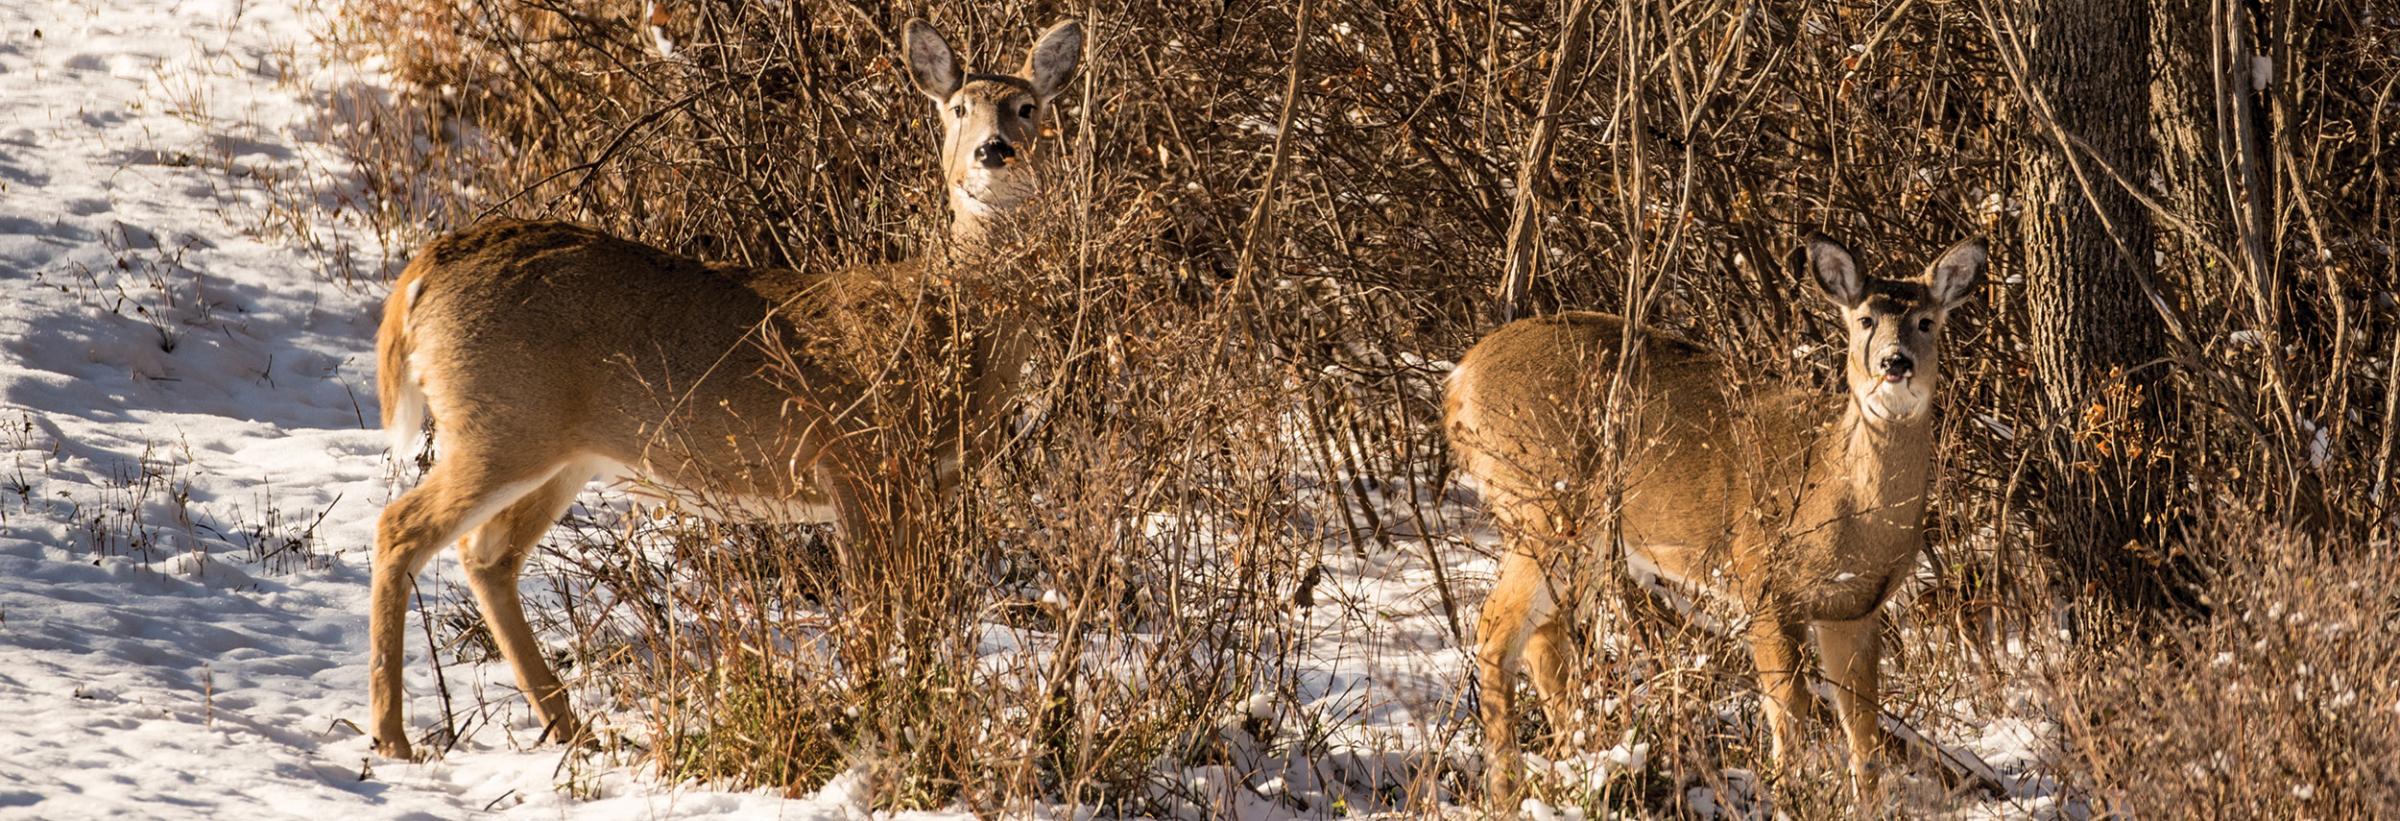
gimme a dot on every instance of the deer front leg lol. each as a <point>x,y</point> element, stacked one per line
<point>1775,646</point>
<point>1851,653</point>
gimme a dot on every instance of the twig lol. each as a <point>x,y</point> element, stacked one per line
<point>433,655</point>
<point>1524,233</point>
<point>589,167</point>
<point>1246,265</point>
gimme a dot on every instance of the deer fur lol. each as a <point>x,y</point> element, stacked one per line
<point>1793,508</point>
<point>548,354</point>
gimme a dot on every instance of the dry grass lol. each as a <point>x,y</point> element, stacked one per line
<point>2285,703</point>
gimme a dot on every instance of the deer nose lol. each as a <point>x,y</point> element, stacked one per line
<point>1897,367</point>
<point>994,154</point>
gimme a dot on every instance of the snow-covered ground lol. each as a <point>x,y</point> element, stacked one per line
<point>190,472</point>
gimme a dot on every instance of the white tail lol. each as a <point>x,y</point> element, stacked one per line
<point>547,354</point>
<point>403,400</point>
<point>1797,509</point>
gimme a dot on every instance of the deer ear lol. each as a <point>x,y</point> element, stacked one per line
<point>1831,266</point>
<point>1957,274</point>
<point>931,63</point>
<point>1052,61</point>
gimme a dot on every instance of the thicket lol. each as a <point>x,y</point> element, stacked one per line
<point>1274,223</point>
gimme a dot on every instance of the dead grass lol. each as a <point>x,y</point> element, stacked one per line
<point>2283,703</point>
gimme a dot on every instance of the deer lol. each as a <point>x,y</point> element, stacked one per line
<point>548,355</point>
<point>1786,507</point>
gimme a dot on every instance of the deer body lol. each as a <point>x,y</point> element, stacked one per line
<point>1792,508</point>
<point>684,406</point>
<point>549,354</point>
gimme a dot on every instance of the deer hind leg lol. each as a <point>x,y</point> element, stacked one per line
<point>1850,653</point>
<point>871,529</point>
<point>1550,655</point>
<point>457,496</point>
<point>1775,647</point>
<point>1520,607</point>
<point>494,558</point>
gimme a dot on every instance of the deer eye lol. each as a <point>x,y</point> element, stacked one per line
<point>1025,111</point>
<point>958,111</point>
<point>1867,321</point>
<point>1925,325</point>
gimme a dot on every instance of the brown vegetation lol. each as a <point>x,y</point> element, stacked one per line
<point>1253,289</point>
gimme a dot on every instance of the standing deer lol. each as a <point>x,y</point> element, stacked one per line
<point>548,355</point>
<point>1796,508</point>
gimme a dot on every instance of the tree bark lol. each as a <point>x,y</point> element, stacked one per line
<point>2183,104</point>
<point>2097,343</point>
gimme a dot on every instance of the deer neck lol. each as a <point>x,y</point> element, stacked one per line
<point>988,246</point>
<point>979,227</point>
<point>1883,462</point>
<point>970,220</point>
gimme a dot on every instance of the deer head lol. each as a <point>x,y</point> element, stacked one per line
<point>1893,363</point>
<point>991,122</point>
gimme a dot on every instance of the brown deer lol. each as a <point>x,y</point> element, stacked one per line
<point>1791,507</point>
<point>548,355</point>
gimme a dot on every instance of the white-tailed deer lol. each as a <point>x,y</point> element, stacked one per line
<point>1793,507</point>
<point>548,355</point>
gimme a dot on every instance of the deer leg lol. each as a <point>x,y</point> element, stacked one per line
<point>1519,606</point>
<point>870,529</point>
<point>494,558</point>
<point>874,559</point>
<point>1850,653</point>
<point>457,496</point>
<point>1775,646</point>
<point>1550,656</point>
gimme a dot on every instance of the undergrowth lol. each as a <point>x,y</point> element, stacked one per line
<point>1245,307</point>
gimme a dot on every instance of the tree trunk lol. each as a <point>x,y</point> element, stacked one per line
<point>2183,99</point>
<point>2097,342</point>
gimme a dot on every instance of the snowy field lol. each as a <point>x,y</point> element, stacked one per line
<point>192,473</point>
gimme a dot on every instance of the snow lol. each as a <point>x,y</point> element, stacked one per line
<point>189,465</point>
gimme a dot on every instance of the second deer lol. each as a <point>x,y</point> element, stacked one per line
<point>548,354</point>
<point>1797,509</point>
